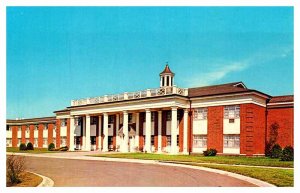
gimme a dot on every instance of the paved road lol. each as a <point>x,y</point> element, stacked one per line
<point>67,172</point>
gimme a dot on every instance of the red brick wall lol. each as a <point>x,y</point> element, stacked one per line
<point>141,137</point>
<point>252,134</point>
<point>14,140</point>
<point>57,145</point>
<point>215,128</point>
<point>23,140</point>
<point>68,132</point>
<point>50,133</point>
<point>180,130</point>
<point>285,119</point>
<point>31,134</point>
<point>40,134</point>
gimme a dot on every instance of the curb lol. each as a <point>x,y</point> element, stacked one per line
<point>47,182</point>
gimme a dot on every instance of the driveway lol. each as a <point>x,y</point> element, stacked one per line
<point>70,172</point>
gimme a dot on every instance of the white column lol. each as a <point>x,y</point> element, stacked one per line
<point>161,81</point>
<point>125,131</point>
<point>174,131</point>
<point>117,129</point>
<point>137,129</point>
<point>72,129</point>
<point>100,130</point>
<point>105,132</point>
<point>83,147</point>
<point>185,131</point>
<point>148,131</point>
<point>165,77</point>
<point>159,130</point>
<point>88,133</point>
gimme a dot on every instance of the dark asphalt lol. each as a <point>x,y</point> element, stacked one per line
<point>67,172</point>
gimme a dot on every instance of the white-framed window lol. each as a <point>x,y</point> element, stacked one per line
<point>200,141</point>
<point>232,112</point>
<point>63,141</point>
<point>45,141</point>
<point>93,120</point>
<point>19,141</point>
<point>169,115</point>
<point>231,141</point>
<point>19,128</point>
<point>35,143</point>
<point>36,127</point>
<point>8,128</point>
<point>168,140</point>
<point>54,127</point>
<point>63,122</point>
<point>8,142</point>
<point>45,126</point>
<point>27,141</point>
<point>152,116</point>
<point>78,121</point>
<point>200,113</point>
<point>54,141</point>
<point>110,119</point>
<point>130,118</point>
<point>27,129</point>
<point>152,139</point>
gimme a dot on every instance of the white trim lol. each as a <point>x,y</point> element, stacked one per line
<point>282,103</point>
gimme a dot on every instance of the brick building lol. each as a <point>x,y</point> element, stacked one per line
<point>230,118</point>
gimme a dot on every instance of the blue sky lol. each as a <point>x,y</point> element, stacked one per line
<point>55,54</point>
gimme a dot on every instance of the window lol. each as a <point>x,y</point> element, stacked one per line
<point>35,142</point>
<point>45,126</point>
<point>200,114</point>
<point>27,128</point>
<point>152,116</point>
<point>27,141</point>
<point>152,140</point>
<point>54,141</point>
<point>63,122</point>
<point>130,118</point>
<point>36,127</point>
<point>63,141</point>
<point>93,120</point>
<point>110,119</point>
<point>231,141</point>
<point>8,142</point>
<point>168,140</point>
<point>19,128</point>
<point>54,127</point>
<point>177,140</point>
<point>169,116</point>
<point>200,141</point>
<point>232,112</point>
<point>45,141</point>
<point>19,141</point>
<point>8,128</point>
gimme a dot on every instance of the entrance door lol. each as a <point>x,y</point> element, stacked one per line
<point>131,144</point>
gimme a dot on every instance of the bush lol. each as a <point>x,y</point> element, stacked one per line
<point>15,165</point>
<point>51,147</point>
<point>276,151</point>
<point>30,146</point>
<point>210,152</point>
<point>287,154</point>
<point>65,148</point>
<point>22,147</point>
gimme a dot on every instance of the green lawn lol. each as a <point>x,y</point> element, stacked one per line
<point>36,150</point>
<point>235,160</point>
<point>278,177</point>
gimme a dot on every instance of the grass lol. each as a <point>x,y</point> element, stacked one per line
<point>278,177</point>
<point>234,160</point>
<point>28,180</point>
<point>36,150</point>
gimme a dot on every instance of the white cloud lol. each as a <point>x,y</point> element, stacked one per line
<point>219,71</point>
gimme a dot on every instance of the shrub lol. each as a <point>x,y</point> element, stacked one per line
<point>29,146</point>
<point>287,154</point>
<point>65,148</point>
<point>22,147</point>
<point>210,152</point>
<point>15,165</point>
<point>51,147</point>
<point>276,151</point>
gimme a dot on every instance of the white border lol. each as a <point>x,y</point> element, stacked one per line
<point>4,3</point>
